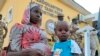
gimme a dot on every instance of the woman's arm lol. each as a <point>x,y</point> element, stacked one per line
<point>15,37</point>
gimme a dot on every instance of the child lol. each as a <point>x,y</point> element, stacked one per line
<point>23,36</point>
<point>65,46</point>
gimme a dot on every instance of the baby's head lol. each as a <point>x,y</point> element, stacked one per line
<point>62,30</point>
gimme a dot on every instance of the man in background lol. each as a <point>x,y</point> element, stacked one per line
<point>2,33</point>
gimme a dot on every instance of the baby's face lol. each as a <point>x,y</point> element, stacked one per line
<point>62,31</point>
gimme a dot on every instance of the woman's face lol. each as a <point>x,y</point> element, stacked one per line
<point>35,15</point>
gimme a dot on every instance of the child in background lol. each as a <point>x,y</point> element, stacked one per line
<point>65,46</point>
<point>3,32</point>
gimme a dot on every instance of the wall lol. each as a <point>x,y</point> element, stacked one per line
<point>18,7</point>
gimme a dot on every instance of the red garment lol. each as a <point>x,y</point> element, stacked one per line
<point>31,36</point>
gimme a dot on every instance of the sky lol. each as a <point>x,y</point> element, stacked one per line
<point>90,5</point>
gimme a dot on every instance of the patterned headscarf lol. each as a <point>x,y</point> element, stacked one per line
<point>26,15</point>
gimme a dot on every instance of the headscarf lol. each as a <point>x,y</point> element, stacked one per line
<point>26,15</point>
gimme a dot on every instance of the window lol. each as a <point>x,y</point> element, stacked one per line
<point>9,15</point>
<point>81,17</point>
<point>94,24</point>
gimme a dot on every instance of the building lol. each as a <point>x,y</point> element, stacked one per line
<point>12,11</point>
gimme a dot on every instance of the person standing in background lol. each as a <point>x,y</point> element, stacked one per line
<point>2,34</point>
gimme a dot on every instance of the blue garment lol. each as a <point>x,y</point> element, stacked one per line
<point>64,48</point>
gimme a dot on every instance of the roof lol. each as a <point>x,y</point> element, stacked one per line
<point>71,3</point>
<point>76,6</point>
